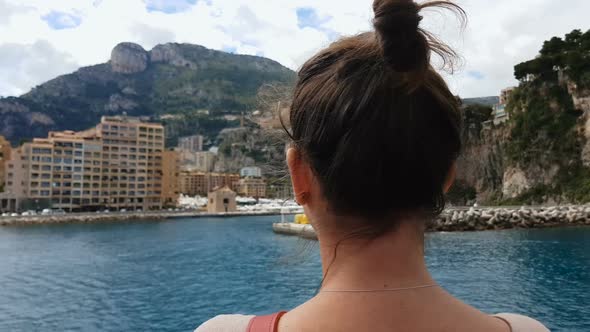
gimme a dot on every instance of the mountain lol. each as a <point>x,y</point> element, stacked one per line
<point>542,154</point>
<point>188,87</point>
<point>486,101</point>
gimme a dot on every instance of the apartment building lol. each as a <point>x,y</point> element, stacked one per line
<point>116,165</point>
<point>170,178</point>
<point>191,143</point>
<point>251,172</point>
<point>194,183</point>
<point>252,187</point>
<point>5,150</point>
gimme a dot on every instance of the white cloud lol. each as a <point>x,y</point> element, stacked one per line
<point>29,65</point>
<point>149,36</point>
<point>500,34</point>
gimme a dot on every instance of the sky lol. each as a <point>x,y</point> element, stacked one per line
<point>41,39</point>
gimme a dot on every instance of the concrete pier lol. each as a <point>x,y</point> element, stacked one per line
<point>304,231</point>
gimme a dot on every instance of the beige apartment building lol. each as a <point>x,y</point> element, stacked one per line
<point>170,178</point>
<point>194,183</point>
<point>5,150</point>
<point>116,165</point>
<point>252,187</point>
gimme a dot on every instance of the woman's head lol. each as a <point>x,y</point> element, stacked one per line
<point>374,124</point>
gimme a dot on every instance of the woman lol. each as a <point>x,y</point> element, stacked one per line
<point>375,135</point>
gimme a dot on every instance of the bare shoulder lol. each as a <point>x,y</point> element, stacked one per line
<point>226,323</point>
<point>521,323</point>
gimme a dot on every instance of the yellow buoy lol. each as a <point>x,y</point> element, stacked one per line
<point>301,219</point>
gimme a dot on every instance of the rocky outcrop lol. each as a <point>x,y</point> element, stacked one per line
<point>129,58</point>
<point>581,101</point>
<point>170,54</point>
<point>16,118</point>
<point>8,106</point>
<point>515,183</point>
<point>118,103</point>
<point>481,163</point>
<point>176,79</point>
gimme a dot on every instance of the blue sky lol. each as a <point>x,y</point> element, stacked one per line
<point>476,75</point>
<point>169,6</point>
<point>60,20</point>
<point>308,17</point>
<point>41,39</point>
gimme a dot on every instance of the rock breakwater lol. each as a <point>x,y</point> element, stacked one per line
<point>494,218</point>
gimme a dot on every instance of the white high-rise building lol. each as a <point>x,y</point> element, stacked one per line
<point>251,172</point>
<point>191,143</point>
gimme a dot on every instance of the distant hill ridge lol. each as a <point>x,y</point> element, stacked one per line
<point>178,79</point>
<point>487,101</point>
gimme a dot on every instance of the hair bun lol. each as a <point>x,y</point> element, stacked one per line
<point>397,23</point>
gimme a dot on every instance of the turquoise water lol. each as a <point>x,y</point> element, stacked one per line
<point>172,276</point>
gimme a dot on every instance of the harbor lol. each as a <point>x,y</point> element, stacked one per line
<point>193,208</point>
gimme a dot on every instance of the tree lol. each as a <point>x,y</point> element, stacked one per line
<point>553,46</point>
<point>477,113</point>
<point>573,40</point>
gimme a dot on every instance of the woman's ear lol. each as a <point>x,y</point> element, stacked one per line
<point>300,175</point>
<point>450,178</point>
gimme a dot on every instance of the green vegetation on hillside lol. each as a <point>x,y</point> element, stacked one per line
<point>544,130</point>
<point>194,79</point>
<point>570,55</point>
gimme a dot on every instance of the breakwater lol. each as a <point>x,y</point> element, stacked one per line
<point>483,218</point>
<point>114,217</point>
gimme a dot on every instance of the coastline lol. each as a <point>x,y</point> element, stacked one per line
<point>482,219</point>
<point>119,217</point>
<point>456,219</point>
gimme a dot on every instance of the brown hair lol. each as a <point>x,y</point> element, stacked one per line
<point>376,123</point>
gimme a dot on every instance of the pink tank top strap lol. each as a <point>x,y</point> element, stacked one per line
<point>268,323</point>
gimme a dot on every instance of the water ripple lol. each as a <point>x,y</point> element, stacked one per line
<point>172,276</point>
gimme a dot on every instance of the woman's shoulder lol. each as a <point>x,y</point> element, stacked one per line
<point>520,323</point>
<point>226,323</point>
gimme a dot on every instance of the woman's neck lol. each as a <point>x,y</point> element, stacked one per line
<point>393,260</point>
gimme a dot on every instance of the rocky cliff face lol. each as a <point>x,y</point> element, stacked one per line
<point>540,156</point>
<point>481,166</point>
<point>581,101</point>
<point>171,54</point>
<point>252,146</point>
<point>129,58</point>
